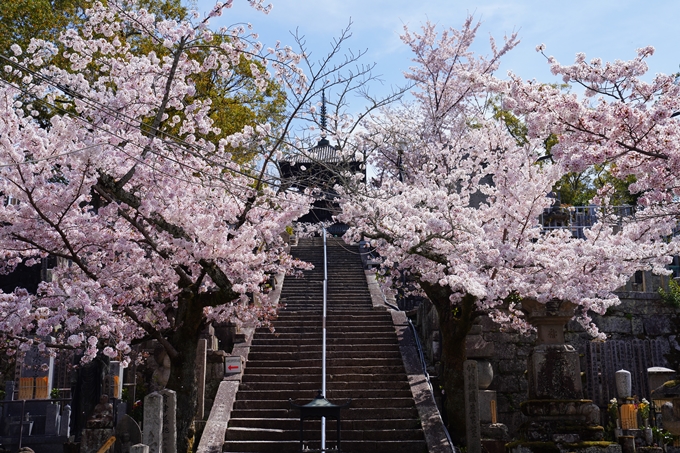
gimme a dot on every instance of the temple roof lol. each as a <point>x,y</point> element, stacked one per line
<point>323,152</point>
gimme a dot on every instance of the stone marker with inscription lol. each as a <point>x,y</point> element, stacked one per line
<point>474,437</point>
<point>200,376</point>
<point>169,420</point>
<point>153,422</point>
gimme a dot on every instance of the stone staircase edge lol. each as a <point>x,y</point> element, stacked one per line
<point>215,429</point>
<point>430,418</point>
<point>216,426</point>
<point>377,297</point>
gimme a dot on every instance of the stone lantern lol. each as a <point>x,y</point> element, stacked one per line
<point>556,410</point>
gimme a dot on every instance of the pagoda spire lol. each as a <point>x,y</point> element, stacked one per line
<point>323,113</point>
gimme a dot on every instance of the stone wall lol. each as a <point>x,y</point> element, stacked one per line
<point>641,315</point>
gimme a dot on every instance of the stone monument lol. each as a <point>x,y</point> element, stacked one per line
<point>494,435</point>
<point>99,427</point>
<point>152,436</point>
<point>559,418</point>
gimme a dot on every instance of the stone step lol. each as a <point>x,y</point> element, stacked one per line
<point>336,306</point>
<point>351,413</point>
<point>258,433</point>
<point>336,363</point>
<point>330,328</point>
<point>297,326</point>
<point>335,334</point>
<point>367,314</point>
<point>331,393</point>
<point>368,370</point>
<point>354,446</point>
<point>312,386</point>
<point>311,351</point>
<point>360,349</point>
<point>315,425</point>
<point>359,403</point>
<point>364,317</point>
<point>266,354</point>
<point>312,340</point>
<point>277,376</point>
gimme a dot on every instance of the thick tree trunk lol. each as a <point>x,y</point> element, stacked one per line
<point>455,323</point>
<point>183,381</point>
<point>183,370</point>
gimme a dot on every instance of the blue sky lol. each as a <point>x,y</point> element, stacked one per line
<point>609,29</point>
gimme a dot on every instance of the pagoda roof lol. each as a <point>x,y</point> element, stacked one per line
<point>323,152</point>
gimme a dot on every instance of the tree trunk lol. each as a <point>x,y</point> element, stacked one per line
<point>454,323</point>
<point>183,369</point>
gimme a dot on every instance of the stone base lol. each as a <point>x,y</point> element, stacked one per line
<point>565,409</point>
<point>649,450</point>
<point>493,446</point>
<point>562,421</point>
<point>93,439</point>
<point>495,431</point>
<point>561,431</point>
<point>553,447</point>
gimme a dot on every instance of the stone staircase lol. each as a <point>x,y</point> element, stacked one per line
<point>363,363</point>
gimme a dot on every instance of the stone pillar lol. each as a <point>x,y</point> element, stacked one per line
<point>200,376</point>
<point>169,420</point>
<point>152,433</point>
<point>494,435</point>
<point>473,434</point>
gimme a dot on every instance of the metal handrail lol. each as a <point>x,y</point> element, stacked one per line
<point>423,363</point>
<point>323,341</point>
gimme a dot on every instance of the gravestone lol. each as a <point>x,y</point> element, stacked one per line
<point>127,434</point>
<point>200,375</point>
<point>52,420</point>
<point>153,422</point>
<point>65,425</point>
<point>624,386</point>
<point>169,420</point>
<point>9,390</point>
<point>474,437</point>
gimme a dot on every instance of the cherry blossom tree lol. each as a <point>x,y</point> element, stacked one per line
<point>160,231</point>
<point>613,116</point>
<point>458,203</point>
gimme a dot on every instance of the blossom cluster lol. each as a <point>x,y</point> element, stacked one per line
<point>140,209</point>
<point>459,197</point>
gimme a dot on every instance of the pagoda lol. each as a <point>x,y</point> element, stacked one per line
<point>319,170</point>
